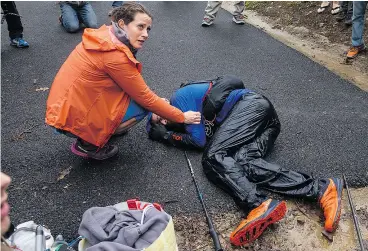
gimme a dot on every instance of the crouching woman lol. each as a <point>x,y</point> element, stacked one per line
<point>99,90</point>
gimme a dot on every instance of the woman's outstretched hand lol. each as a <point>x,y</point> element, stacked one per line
<point>191,117</point>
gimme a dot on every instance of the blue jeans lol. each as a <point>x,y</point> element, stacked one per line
<point>358,23</point>
<point>73,15</point>
<point>116,4</point>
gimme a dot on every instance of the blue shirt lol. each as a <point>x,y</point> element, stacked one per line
<point>190,98</point>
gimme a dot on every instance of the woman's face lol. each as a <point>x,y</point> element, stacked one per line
<point>5,220</point>
<point>138,29</point>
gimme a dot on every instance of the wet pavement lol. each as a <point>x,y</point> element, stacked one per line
<point>324,118</point>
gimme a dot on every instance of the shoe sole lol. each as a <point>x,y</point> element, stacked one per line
<point>238,22</point>
<point>206,25</point>
<point>15,45</point>
<point>339,186</point>
<point>74,150</point>
<point>255,228</point>
<point>86,156</point>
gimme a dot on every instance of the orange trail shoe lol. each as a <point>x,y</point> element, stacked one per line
<point>354,51</point>
<point>330,201</point>
<point>257,221</point>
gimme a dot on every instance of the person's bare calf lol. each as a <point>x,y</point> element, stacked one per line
<point>124,127</point>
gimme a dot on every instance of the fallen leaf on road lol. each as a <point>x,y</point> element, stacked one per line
<point>42,89</point>
<point>64,173</point>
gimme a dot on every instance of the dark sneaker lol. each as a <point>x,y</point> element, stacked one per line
<point>330,202</point>
<point>93,152</point>
<point>207,22</point>
<point>19,42</point>
<point>354,51</point>
<point>240,19</point>
<point>257,221</point>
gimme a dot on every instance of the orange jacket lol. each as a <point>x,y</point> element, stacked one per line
<point>91,92</point>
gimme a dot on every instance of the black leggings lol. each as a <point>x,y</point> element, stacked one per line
<point>15,27</point>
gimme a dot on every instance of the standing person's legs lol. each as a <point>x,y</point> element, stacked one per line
<point>14,23</point>
<point>335,7</point>
<point>346,12</point>
<point>15,27</point>
<point>342,14</point>
<point>349,13</point>
<point>87,16</point>
<point>358,23</point>
<point>238,16</point>
<point>211,12</point>
<point>323,6</point>
<point>116,4</point>
<point>357,29</point>
<point>212,9</point>
<point>69,18</point>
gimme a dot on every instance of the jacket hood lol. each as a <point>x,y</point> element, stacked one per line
<point>100,40</point>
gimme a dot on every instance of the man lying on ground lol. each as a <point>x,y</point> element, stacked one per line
<point>238,128</point>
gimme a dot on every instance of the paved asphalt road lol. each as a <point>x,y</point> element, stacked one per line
<point>324,118</point>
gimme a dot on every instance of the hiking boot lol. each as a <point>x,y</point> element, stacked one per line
<point>93,152</point>
<point>355,50</point>
<point>207,22</point>
<point>330,202</point>
<point>19,43</point>
<point>239,19</point>
<point>257,221</point>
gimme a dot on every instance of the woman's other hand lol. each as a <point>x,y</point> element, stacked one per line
<point>191,117</point>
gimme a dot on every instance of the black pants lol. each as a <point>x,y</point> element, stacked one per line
<point>233,159</point>
<point>15,27</point>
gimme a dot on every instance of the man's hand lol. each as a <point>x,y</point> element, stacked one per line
<point>157,132</point>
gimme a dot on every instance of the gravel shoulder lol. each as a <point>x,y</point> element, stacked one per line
<point>300,230</point>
